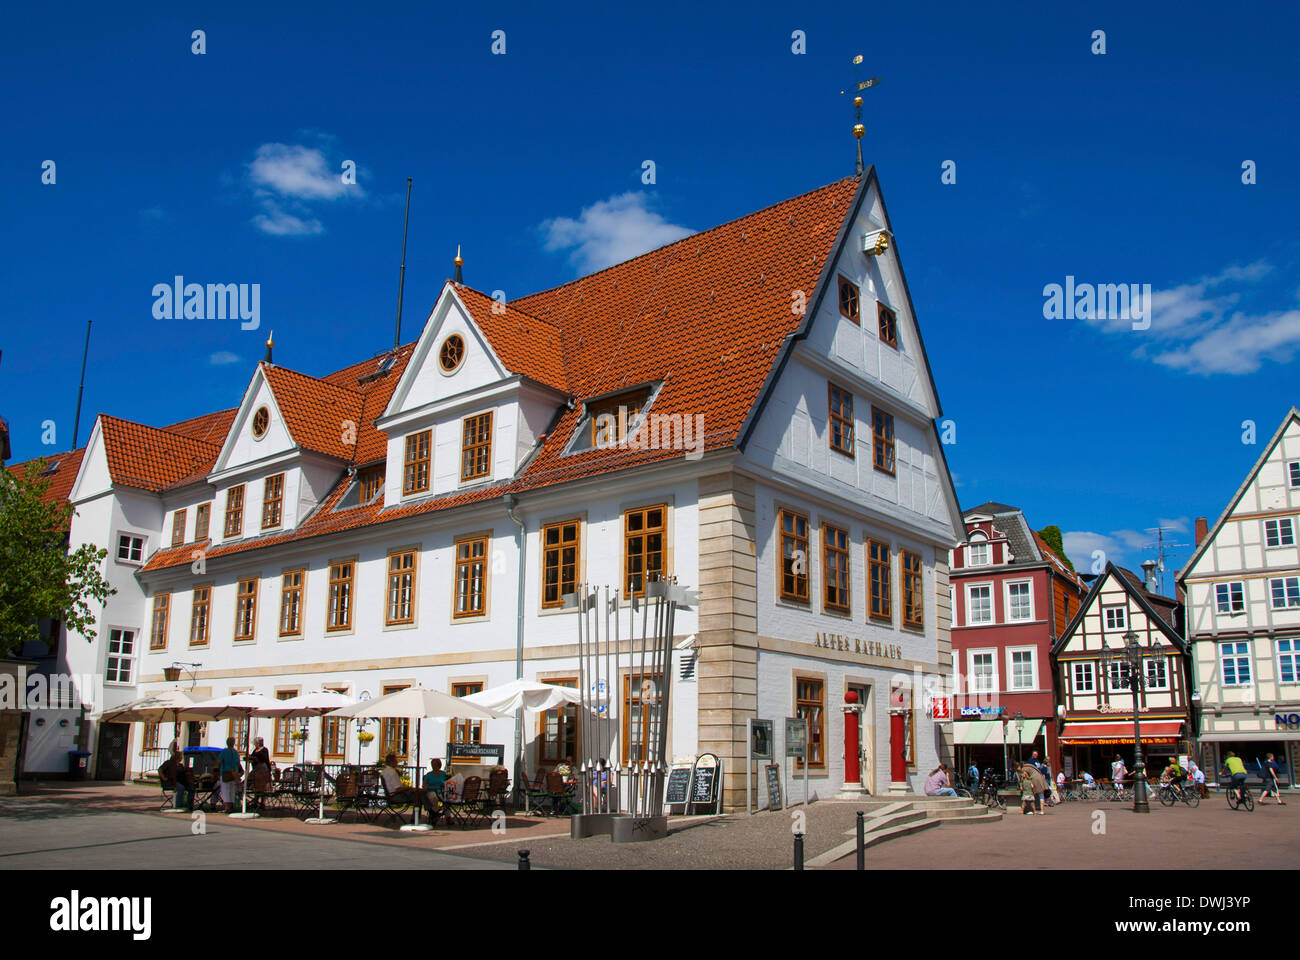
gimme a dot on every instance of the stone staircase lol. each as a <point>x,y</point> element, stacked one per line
<point>888,817</point>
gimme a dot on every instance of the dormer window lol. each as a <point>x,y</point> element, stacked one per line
<point>978,553</point>
<point>234,526</point>
<point>261,420</point>
<point>609,421</point>
<point>415,474</point>
<point>476,447</point>
<point>371,482</point>
<point>451,353</point>
<point>272,500</point>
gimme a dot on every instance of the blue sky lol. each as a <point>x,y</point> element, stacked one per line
<point>1117,168</point>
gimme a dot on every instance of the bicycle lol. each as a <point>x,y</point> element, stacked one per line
<point>1246,799</point>
<point>986,792</point>
<point>1172,792</point>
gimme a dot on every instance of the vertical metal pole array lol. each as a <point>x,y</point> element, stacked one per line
<point>611,613</point>
<point>666,663</point>
<point>643,719</point>
<point>584,727</point>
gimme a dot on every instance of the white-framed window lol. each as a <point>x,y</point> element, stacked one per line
<point>1021,669</point>
<point>1114,618</point>
<point>1084,681</point>
<point>1284,592</point>
<point>1293,472</point>
<point>1234,663</point>
<point>978,553</point>
<point>1117,676</point>
<point>982,669</point>
<point>121,656</point>
<point>1020,601</point>
<point>1230,597</point>
<point>1157,673</point>
<point>130,548</point>
<point>1288,666</point>
<point>1279,532</point>
<point>979,603</point>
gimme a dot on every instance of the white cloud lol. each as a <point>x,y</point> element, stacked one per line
<point>1199,328</point>
<point>280,223</point>
<point>297,171</point>
<point>611,231</point>
<point>1081,544</point>
<point>223,358</point>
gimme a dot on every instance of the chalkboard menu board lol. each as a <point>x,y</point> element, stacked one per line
<point>706,784</point>
<point>679,779</point>
<point>773,786</point>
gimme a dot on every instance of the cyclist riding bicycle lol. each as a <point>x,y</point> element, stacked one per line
<point>1233,766</point>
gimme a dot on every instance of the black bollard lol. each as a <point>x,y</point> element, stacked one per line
<point>523,860</point>
<point>798,851</point>
<point>862,849</point>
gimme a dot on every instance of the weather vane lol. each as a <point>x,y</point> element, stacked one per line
<point>858,127</point>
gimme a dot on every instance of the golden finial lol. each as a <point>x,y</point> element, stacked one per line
<point>270,339</point>
<point>458,261</point>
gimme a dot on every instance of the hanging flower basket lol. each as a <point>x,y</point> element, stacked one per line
<point>365,737</point>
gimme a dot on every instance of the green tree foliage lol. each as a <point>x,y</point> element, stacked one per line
<point>39,576</point>
<point>1052,537</point>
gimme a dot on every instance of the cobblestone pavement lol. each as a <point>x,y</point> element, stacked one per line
<point>1211,836</point>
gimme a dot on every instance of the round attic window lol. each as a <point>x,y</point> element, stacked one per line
<point>451,353</point>
<point>261,419</point>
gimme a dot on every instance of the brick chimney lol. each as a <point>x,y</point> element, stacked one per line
<point>1202,530</point>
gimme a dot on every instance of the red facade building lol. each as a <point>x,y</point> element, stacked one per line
<point>1012,597</point>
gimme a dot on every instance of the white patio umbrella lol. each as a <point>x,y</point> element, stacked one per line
<point>316,703</point>
<point>156,707</point>
<point>416,703</point>
<point>528,694</point>
<point>231,705</point>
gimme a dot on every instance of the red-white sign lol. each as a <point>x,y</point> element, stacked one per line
<point>941,708</point>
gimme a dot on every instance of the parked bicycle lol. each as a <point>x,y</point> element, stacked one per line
<point>986,791</point>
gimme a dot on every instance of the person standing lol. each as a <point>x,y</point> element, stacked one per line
<point>230,770</point>
<point>1118,772</point>
<point>1272,787</point>
<point>1026,788</point>
<point>1039,784</point>
<point>973,775</point>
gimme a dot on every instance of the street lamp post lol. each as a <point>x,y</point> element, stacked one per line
<point>1020,736</point>
<point>1134,656</point>
<point>1006,767</point>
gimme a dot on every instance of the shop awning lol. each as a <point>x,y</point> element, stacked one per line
<point>1153,731</point>
<point>972,733</point>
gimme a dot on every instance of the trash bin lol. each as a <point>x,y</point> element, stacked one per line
<point>78,764</point>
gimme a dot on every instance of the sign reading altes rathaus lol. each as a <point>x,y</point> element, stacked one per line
<point>871,648</point>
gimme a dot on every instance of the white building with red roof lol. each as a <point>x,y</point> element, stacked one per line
<point>770,411</point>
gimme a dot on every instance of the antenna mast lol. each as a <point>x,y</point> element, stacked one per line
<point>401,280</point>
<point>1161,547</point>
<point>76,422</point>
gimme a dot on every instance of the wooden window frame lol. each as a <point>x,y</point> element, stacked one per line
<point>202,521</point>
<point>784,568</point>
<point>205,604</point>
<point>287,593</point>
<point>644,534</point>
<point>646,730</point>
<point>883,448</point>
<point>854,310</point>
<point>835,560</point>
<point>246,609</point>
<point>550,751</point>
<point>462,572</point>
<point>452,348</point>
<point>887,323</point>
<point>472,728</point>
<point>840,418</point>
<point>344,598</point>
<point>149,736</point>
<point>234,518</point>
<point>394,580</point>
<point>913,583</point>
<point>339,726</point>
<point>554,565</point>
<point>157,636</point>
<point>820,739</point>
<point>416,464</point>
<point>470,446</point>
<point>626,419</point>
<point>394,729</point>
<point>285,725</point>
<point>178,527</point>
<point>883,564</point>
<point>370,482</point>
<point>273,501</point>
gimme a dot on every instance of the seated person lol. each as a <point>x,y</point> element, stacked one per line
<point>185,786</point>
<point>936,784</point>
<point>435,782</point>
<point>1089,783</point>
<point>391,776</point>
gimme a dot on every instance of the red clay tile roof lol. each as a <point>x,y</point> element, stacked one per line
<point>705,316</point>
<point>60,469</point>
<point>316,411</point>
<point>523,343</point>
<point>210,428</point>
<point>148,458</point>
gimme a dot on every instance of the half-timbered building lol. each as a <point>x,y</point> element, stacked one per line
<point>1097,701</point>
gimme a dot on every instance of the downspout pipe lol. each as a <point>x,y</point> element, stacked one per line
<point>511,502</point>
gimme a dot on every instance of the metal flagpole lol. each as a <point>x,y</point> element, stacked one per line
<point>611,611</point>
<point>583,683</point>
